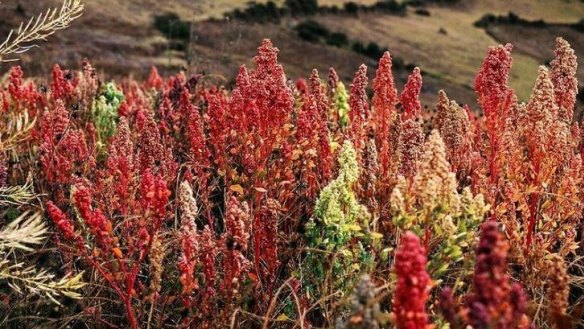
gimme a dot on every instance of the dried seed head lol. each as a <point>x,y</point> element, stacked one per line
<point>563,76</point>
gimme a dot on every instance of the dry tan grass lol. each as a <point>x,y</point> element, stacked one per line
<point>455,56</point>
<point>553,11</point>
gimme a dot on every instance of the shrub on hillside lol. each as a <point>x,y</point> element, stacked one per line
<point>511,19</point>
<point>172,26</point>
<point>302,7</point>
<point>312,31</point>
<point>337,39</point>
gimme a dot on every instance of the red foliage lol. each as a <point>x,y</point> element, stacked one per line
<point>359,109</point>
<point>16,85</point>
<point>563,76</point>
<point>323,148</point>
<point>308,118</point>
<point>218,128</point>
<point>384,120</point>
<point>236,238</point>
<point>492,81</point>
<point>494,302</point>
<point>413,284</point>
<point>456,130</point>
<point>61,221</point>
<point>301,86</point>
<point>63,148</point>
<point>385,100</point>
<point>62,86</point>
<point>411,138</point>
<point>496,100</point>
<point>208,252</point>
<point>269,91</point>
<point>154,195</point>
<point>411,143</point>
<point>154,80</point>
<point>196,136</point>
<point>153,155</point>
<point>265,236</point>
<point>410,96</point>
<point>187,264</point>
<point>121,167</point>
<point>257,158</point>
<point>95,220</point>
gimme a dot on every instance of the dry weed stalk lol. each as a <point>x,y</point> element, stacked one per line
<point>39,28</point>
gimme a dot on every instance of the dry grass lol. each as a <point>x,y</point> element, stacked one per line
<point>188,10</point>
<point>553,11</point>
<point>454,56</point>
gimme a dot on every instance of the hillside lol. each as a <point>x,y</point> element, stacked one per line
<point>119,38</point>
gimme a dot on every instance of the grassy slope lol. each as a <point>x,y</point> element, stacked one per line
<point>553,11</point>
<point>456,55</point>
